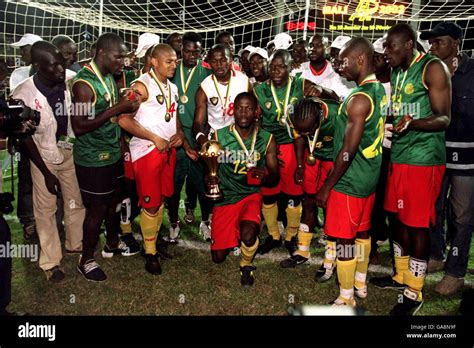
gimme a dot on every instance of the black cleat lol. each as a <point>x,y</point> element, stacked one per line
<point>386,282</point>
<point>246,275</point>
<point>268,245</point>
<point>324,274</point>
<point>291,245</point>
<point>293,261</point>
<point>407,307</point>
<point>131,242</point>
<point>152,264</point>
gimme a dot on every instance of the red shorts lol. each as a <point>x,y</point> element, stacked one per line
<point>128,166</point>
<point>225,229</point>
<point>315,175</point>
<point>287,184</point>
<point>412,192</point>
<point>346,215</point>
<point>154,174</point>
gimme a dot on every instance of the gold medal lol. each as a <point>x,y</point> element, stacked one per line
<point>184,99</point>
<point>107,97</point>
<point>250,163</point>
<point>167,117</point>
<point>311,160</point>
<point>185,85</point>
<point>282,112</point>
<point>283,121</point>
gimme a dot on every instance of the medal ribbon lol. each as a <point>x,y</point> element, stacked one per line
<point>224,105</point>
<point>399,89</point>
<point>241,142</point>
<point>167,99</point>
<point>184,85</point>
<point>277,101</point>
<point>312,143</point>
<point>97,72</point>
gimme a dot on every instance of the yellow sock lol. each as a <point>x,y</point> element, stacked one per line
<point>304,240</point>
<point>293,215</point>
<point>401,267</point>
<point>414,278</point>
<point>330,254</point>
<point>126,228</point>
<point>148,225</point>
<point>363,252</point>
<point>270,214</point>
<point>345,274</point>
<point>247,253</point>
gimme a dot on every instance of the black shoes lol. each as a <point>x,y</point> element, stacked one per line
<point>246,275</point>
<point>293,261</point>
<point>268,245</point>
<point>152,264</point>
<point>386,282</point>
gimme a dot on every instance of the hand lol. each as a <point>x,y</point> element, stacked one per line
<point>127,106</point>
<point>191,153</point>
<point>257,172</point>
<point>161,144</point>
<point>299,175</point>
<point>52,184</point>
<point>26,128</point>
<point>314,91</point>
<point>401,126</point>
<point>322,196</point>
<point>176,140</point>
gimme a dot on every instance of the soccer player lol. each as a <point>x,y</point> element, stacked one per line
<point>97,153</point>
<point>313,120</point>
<point>299,55</point>
<point>145,42</point>
<point>276,97</point>
<point>215,97</point>
<point>175,40</point>
<point>156,133</point>
<point>236,219</point>
<point>319,70</point>
<point>225,38</point>
<point>68,49</point>
<point>189,75</point>
<point>421,103</point>
<point>258,64</point>
<point>243,55</point>
<point>348,191</point>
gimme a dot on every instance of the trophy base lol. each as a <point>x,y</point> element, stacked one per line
<point>214,196</point>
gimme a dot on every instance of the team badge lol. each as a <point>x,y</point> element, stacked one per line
<point>268,105</point>
<point>146,199</point>
<point>214,100</point>
<point>160,98</point>
<point>409,89</point>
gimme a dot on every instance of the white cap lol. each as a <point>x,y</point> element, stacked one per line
<point>378,45</point>
<point>260,51</point>
<point>340,41</point>
<point>247,48</point>
<point>282,41</point>
<point>27,39</point>
<point>145,41</point>
<point>424,43</point>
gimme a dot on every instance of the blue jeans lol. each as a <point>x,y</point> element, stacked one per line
<point>461,201</point>
<point>437,232</point>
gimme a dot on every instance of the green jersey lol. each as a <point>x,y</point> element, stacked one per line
<point>100,147</point>
<point>128,76</point>
<point>192,78</point>
<point>232,171</point>
<point>360,179</point>
<point>410,96</point>
<point>324,148</point>
<point>270,114</point>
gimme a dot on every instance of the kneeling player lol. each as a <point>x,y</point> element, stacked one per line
<point>313,119</point>
<point>237,217</point>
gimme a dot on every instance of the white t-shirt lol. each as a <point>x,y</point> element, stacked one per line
<point>217,117</point>
<point>151,115</point>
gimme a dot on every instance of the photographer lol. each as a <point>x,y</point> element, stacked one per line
<point>11,124</point>
<point>52,164</point>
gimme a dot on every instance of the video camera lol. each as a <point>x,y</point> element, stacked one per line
<point>14,113</point>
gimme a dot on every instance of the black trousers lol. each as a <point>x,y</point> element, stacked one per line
<point>5,267</point>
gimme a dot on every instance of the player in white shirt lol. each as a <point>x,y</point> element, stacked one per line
<point>319,70</point>
<point>215,97</point>
<point>156,131</point>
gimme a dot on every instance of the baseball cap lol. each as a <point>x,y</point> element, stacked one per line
<point>443,29</point>
<point>247,48</point>
<point>145,41</point>
<point>378,45</point>
<point>282,41</point>
<point>260,51</point>
<point>27,39</point>
<point>340,41</point>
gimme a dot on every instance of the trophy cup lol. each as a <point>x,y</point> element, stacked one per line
<point>210,152</point>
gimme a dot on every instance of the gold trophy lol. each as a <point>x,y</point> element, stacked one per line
<point>210,152</point>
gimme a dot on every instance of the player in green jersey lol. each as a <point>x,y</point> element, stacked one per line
<point>421,105</point>
<point>348,192</point>
<point>97,153</point>
<point>249,161</point>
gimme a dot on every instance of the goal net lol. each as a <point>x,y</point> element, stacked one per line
<point>251,23</point>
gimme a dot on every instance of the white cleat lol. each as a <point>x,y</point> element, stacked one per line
<point>361,293</point>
